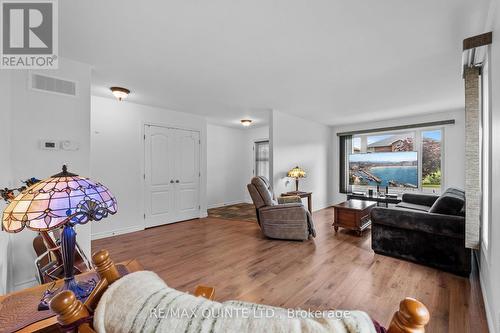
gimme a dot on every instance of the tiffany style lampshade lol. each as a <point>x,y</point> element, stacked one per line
<point>296,173</point>
<point>61,201</point>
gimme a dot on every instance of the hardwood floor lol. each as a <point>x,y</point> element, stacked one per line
<point>240,212</point>
<point>331,271</point>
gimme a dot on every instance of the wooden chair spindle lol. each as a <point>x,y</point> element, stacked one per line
<point>105,266</point>
<point>411,317</point>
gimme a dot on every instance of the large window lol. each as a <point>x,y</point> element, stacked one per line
<point>401,160</point>
<point>262,159</point>
<point>431,160</point>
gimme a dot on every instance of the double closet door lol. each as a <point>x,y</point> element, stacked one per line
<point>172,175</point>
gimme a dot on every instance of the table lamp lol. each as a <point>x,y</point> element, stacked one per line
<point>296,173</point>
<point>61,201</point>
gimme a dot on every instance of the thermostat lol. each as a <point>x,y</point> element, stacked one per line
<point>49,145</point>
<point>69,145</point>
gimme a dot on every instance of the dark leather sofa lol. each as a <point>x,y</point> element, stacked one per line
<point>426,229</point>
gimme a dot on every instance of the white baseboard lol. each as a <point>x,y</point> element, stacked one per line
<point>203,214</point>
<point>225,204</point>
<point>25,284</point>
<point>116,232</point>
<point>490,317</point>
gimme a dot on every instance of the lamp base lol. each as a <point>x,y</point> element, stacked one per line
<point>81,289</point>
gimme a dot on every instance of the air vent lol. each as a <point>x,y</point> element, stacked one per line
<point>53,85</point>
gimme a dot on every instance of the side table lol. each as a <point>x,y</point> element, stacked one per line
<point>301,194</point>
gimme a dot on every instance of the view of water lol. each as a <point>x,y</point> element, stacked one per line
<point>401,174</point>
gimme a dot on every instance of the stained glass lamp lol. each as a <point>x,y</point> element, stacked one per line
<point>61,201</point>
<point>296,173</point>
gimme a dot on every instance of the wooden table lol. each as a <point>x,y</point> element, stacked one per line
<point>19,309</point>
<point>353,215</point>
<point>301,194</point>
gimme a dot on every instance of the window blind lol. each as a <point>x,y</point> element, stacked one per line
<point>262,158</point>
<point>345,147</point>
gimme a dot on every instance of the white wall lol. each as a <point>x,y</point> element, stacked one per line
<point>230,162</point>
<point>5,174</point>
<point>296,141</point>
<point>490,258</point>
<point>35,116</point>
<point>454,151</point>
<point>226,165</point>
<point>117,157</point>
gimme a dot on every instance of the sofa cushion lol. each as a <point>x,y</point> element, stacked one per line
<point>264,189</point>
<point>256,197</point>
<point>413,206</point>
<point>417,221</point>
<point>450,202</point>
<point>420,198</point>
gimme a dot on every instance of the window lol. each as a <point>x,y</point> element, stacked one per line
<point>262,159</point>
<point>431,161</point>
<point>390,142</point>
<point>416,166</point>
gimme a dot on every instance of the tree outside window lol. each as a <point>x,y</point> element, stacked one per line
<point>431,159</point>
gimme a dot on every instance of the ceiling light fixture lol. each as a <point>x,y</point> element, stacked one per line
<point>246,122</point>
<point>120,93</point>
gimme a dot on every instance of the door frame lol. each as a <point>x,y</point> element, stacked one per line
<point>143,163</point>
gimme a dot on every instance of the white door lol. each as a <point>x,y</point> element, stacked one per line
<point>187,166</point>
<point>172,175</point>
<point>159,176</point>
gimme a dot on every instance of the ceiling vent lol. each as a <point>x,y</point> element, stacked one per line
<point>53,85</point>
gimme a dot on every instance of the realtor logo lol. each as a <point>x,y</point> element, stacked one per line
<point>29,34</point>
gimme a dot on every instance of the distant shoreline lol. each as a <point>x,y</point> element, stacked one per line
<point>393,166</point>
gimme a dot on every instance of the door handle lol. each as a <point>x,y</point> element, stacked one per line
<point>177,181</point>
<point>171,181</point>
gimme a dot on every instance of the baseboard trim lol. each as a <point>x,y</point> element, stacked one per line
<point>116,232</point>
<point>225,204</point>
<point>490,317</point>
<point>25,284</point>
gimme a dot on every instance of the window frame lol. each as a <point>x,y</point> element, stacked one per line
<point>255,161</point>
<point>417,146</point>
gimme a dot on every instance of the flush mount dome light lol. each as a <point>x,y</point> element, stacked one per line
<point>120,93</point>
<point>246,122</point>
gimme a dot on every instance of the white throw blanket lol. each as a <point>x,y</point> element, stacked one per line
<point>142,302</point>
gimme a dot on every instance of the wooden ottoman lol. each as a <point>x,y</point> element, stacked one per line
<point>353,214</point>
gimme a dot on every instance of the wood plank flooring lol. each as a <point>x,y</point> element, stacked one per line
<point>331,271</point>
<point>241,212</point>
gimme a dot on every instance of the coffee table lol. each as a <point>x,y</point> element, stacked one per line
<point>353,214</point>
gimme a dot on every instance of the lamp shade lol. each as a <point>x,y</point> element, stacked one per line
<point>52,202</point>
<point>296,173</point>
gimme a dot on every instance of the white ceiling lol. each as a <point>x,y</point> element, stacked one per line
<point>333,61</point>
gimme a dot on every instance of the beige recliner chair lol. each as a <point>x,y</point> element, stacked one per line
<point>285,218</point>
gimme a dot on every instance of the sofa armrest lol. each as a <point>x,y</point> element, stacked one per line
<point>293,205</point>
<point>420,199</point>
<point>289,199</point>
<point>284,212</point>
<point>446,225</point>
